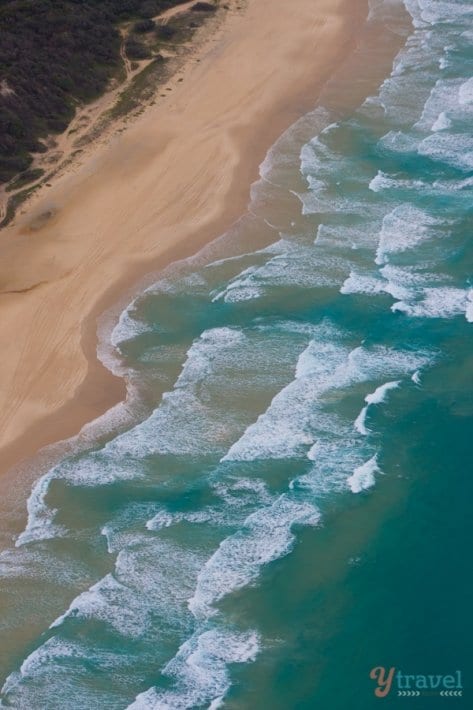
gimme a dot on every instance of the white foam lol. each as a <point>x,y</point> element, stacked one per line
<point>284,429</point>
<point>113,462</point>
<point>357,282</point>
<point>325,170</point>
<point>199,670</point>
<point>97,467</point>
<point>469,306</point>
<point>451,148</point>
<point>325,202</point>
<point>406,282</point>
<point>383,181</point>
<point>229,259</point>
<point>146,594</point>
<point>282,154</point>
<point>376,397</point>
<point>341,238</point>
<point>398,282</point>
<point>334,459</point>
<point>403,228</point>
<point>415,291</point>
<point>316,158</point>
<point>398,142</point>
<point>440,302</point>
<point>403,94</point>
<point>290,424</point>
<point>315,360</point>
<point>41,658</point>
<point>241,288</point>
<point>360,422</point>
<point>243,491</point>
<point>385,11</point>
<point>442,104</point>
<point>128,327</point>
<point>435,12</point>
<point>126,525</point>
<point>105,601</point>
<point>184,422</point>
<point>465,93</point>
<point>41,525</point>
<point>55,671</point>
<point>164,519</point>
<point>442,122</point>
<point>39,564</point>
<point>454,185</point>
<point>371,363</point>
<point>363,477</point>
<point>292,264</point>
<point>265,536</point>
<point>380,393</point>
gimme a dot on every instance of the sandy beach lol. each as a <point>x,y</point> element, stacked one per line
<point>176,178</point>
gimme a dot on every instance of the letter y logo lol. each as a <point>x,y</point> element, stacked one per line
<point>383,680</point>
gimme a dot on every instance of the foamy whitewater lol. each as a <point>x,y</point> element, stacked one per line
<point>291,391</point>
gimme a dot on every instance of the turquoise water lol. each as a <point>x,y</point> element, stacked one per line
<point>284,501</point>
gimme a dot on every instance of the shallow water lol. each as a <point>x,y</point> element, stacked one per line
<point>290,505</point>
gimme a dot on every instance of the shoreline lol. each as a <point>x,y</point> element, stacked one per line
<point>86,387</point>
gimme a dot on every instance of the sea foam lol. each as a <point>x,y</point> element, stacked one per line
<point>376,397</point>
<point>200,671</point>
<point>363,477</point>
<point>404,228</point>
<point>265,536</point>
<point>440,302</point>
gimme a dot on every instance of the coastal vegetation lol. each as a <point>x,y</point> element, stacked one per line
<point>56,55</point>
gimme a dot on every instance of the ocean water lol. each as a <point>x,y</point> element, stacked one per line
<point>284,501</point>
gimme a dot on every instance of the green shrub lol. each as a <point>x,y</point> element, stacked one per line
<point>143,26</point>
<point>165,32</point>
<point>203,7</point>
<point>55,54</point>
<point>24,178</point>
<point>136,50</point>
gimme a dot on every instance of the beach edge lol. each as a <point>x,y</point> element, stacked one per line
<point>97,389</point>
